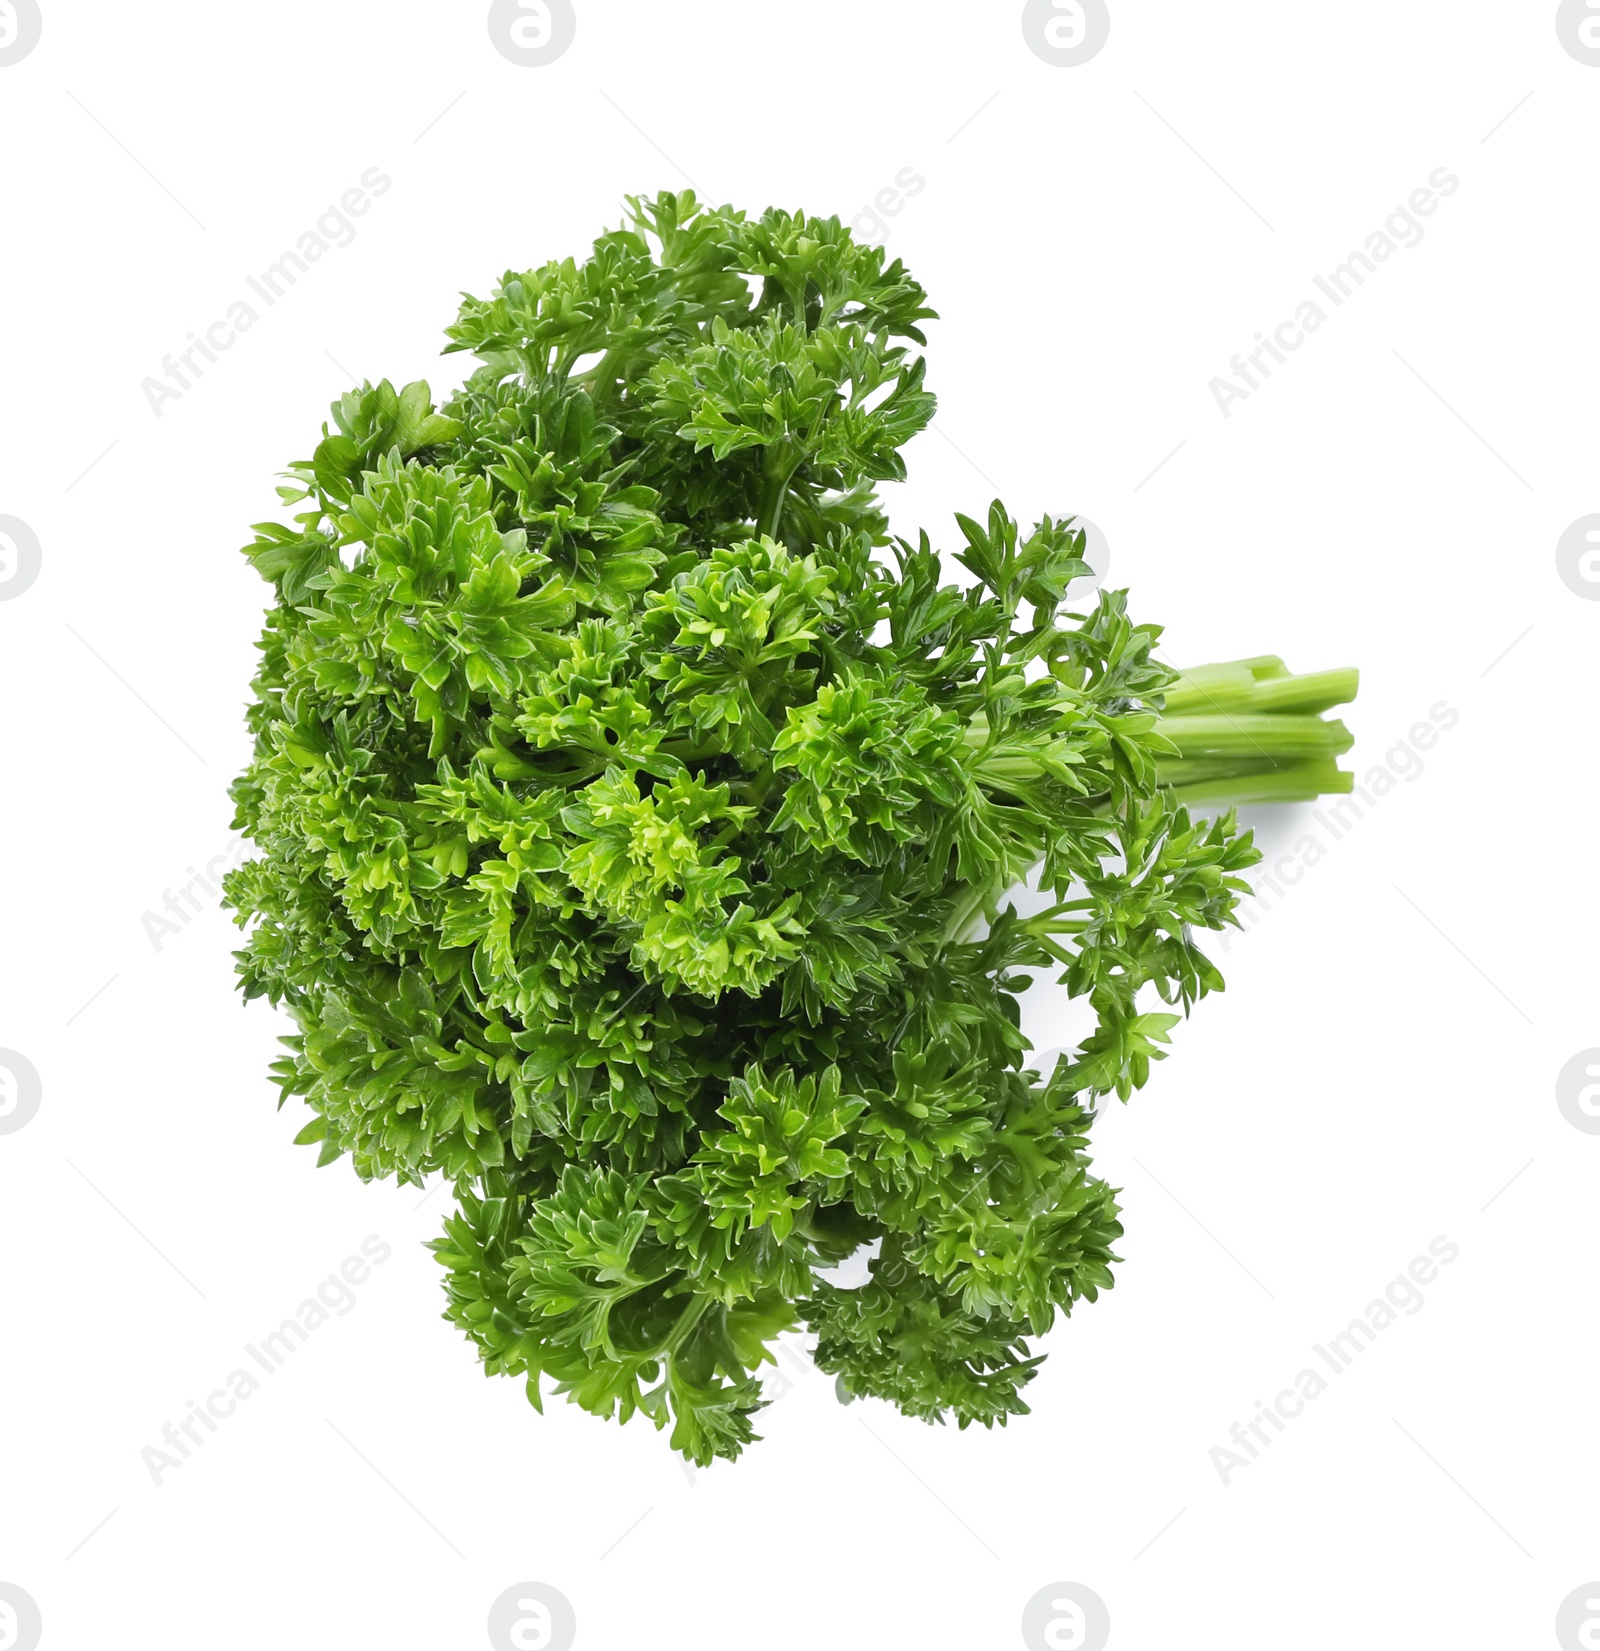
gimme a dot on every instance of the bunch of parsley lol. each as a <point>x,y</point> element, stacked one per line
<point>639,824</point>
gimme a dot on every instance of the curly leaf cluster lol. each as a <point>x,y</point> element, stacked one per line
<point>638,823</point>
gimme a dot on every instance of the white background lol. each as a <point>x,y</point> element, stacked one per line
<point>1384,1060</point>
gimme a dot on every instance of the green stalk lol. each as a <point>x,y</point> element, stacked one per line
<point>1243,732</point>
<point>1301,783</point>
<point>1260,685</point>
<point>778,471</point>
<point>1249,735</point>
<point>1248,731</point>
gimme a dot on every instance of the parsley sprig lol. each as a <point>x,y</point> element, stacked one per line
<point>642,826</point>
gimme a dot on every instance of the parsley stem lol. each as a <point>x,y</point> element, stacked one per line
<point>773,497</point>
<point>1247,731</point>
<point>1296,783</point>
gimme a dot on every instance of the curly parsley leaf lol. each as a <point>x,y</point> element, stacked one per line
<point>642,834</point>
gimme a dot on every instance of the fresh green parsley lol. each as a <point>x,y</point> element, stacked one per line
<point>642,827</point>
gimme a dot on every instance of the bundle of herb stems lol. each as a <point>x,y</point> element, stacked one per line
<point>640,822</point>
